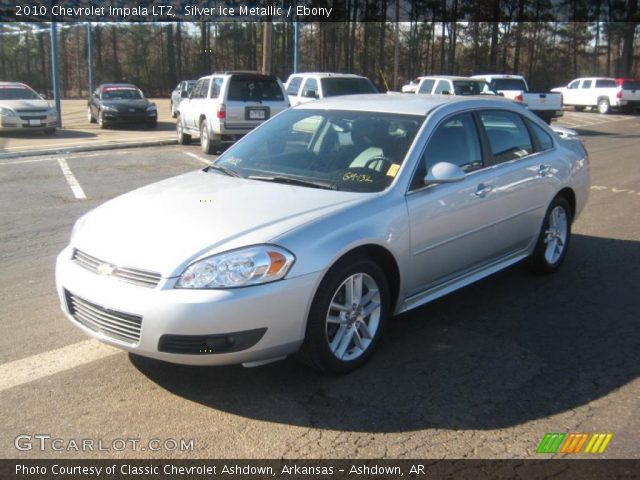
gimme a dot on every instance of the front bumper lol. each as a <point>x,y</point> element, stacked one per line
<point>277,311</point>
<point>25,124</point>
<point>127,118</point>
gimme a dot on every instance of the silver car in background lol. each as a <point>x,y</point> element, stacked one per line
<point>22,109</point>
<point>311,232</point>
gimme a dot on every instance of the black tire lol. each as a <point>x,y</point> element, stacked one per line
<point>603,106</point>
<point>579,108</point>
<point>101,123</point>
<point>316,350</point>
<point>183,138</point>
<point>540,261</point>
<point>152,125</point>
<point>207,145</point>
<point>50,131</point>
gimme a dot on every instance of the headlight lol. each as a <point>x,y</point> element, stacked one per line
<point>151,108</point>
<point>238,268</point>
<point>7,112</point>
<point>109,108</point>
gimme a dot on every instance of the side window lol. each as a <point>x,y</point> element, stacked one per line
<point>200,90</point>
<point>574,84</point>
<point>443,86</point>
<point>294,86</point>
<point>427,86</point>
<point>606,83</point>
<point>216,86</point>
<point>508,135</point>
<point>455,141</point>
<point>310,84</point>
<point>586,84</point>
<point>545,142</point>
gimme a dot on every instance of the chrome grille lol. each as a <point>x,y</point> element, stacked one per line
<point>112,323</point>
<point>129,275</point>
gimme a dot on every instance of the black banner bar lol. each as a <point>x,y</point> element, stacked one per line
<point>164,469</point>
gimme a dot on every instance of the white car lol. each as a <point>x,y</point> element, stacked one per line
<point>305,87</point>
<point>599,92</point>
<point>22,109</point>
<point>452,85</point>
<point>227,105</point>
<point>310,233</point>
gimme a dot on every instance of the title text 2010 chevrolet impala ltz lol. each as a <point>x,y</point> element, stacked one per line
<point>311,232</point>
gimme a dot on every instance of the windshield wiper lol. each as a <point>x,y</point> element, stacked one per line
<point>225,170</point>
<point>294,181</point>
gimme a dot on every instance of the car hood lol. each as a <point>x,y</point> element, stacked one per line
<point>143,102</point>
<point>22,104</point>
<point>165,226</point>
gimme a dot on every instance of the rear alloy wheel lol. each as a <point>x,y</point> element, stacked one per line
<point>603,106</point>
<point>347,317</point>
<point>554,238</point>
<point>90,118</point>
<point>206,144</point>
<point>183,138</point>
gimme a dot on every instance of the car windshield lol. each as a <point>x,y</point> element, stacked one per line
<point>121,93</point>
<point>332,87</point>
<point>254,87</point>
<point>18,93</point>
<point>342,150</point>
<point>472,87</point>
<point>508,84</point>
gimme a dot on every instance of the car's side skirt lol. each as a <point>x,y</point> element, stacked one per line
<point>467,278</point>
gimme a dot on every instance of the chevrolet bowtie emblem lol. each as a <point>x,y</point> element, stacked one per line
<point>106,269</point>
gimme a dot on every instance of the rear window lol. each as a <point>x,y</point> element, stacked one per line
<point>332,87</point>
<point>471,87</point>
<point>508,84</point>
<point>631,85</point>
<point>251,87</point>
<point>606,83</point>
<point>121,93</point>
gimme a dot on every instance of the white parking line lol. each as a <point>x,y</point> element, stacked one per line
<point>71,179</point>
<point>198,157</point>
<point>45,364</point>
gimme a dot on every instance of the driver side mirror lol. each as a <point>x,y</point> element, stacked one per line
<point>444,172</point>
<point>310,94</point>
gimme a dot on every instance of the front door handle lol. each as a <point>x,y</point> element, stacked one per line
<point>483,189</point>
<point>544,170</point>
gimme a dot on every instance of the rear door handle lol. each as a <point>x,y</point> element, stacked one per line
<point>483,189</point>
<point>544,170</point>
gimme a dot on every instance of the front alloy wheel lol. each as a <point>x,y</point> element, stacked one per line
<point>347,316</point>
<point>205,138</point>
<point>101,122</point>
<point>90,118</point>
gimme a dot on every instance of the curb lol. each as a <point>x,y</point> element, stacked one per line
<point>87,148</point>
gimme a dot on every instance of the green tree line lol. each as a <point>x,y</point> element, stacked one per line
<point>156,56</point>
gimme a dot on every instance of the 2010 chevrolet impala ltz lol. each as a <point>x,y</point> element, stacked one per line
<point>311,232</point>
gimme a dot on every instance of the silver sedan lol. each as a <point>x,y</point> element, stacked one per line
<point>308,235</point>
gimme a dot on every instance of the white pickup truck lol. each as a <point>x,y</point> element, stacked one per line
<point>601,92</point>
<point>546,105</point>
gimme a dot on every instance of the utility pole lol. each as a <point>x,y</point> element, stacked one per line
<point>396,47</point>
<point>266,46</point>
<point>54,68</point>
<point>90,57</point>
<point>296,45</point>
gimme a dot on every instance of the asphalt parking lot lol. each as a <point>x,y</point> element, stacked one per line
<point>482,373</point>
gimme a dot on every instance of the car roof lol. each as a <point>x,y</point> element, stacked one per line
<point>122,85</point>
<point>444,77</point>
<point>14,84</point>
<point>400,103</point>
<point>327,74</point>
<point>593,78</point>
<point>497,75</point>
